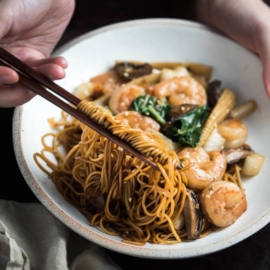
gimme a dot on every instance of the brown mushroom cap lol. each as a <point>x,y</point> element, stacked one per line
<point>131,71</point>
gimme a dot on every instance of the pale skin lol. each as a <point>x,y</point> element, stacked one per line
<point>245,21</point>
<point>31,29</point>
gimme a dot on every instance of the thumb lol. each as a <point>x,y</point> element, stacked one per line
<point>264,53</point>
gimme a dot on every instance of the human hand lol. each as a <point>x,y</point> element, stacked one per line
<point>245,21</point>
<point>30,30</point>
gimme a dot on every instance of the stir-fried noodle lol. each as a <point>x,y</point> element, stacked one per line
<point>116,191</point>
<point>125,197</point>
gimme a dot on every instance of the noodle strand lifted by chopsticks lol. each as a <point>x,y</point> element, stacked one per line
<point>115,190</point>
<point>120,193</point>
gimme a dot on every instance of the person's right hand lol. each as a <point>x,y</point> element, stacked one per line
<point>30,30</point>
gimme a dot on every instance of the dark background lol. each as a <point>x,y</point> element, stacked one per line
<point>252,253</point>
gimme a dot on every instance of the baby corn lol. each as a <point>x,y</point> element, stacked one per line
<point>224,105</point>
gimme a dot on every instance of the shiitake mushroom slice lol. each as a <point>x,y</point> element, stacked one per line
<point>193,215</point>
<point>214,92</point>
<point>131,71</point>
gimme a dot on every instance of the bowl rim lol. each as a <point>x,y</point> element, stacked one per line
<point>145,21</point>
<point>132,250</point>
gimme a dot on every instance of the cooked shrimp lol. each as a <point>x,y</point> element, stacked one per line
<point>85,90</point>
<point>108,81</point>
<point>234,132</point>
<point>223,203</point>
<point>205,167</point>
<point>122,97</point>
<point>180,90</point>
<point>136,120</point>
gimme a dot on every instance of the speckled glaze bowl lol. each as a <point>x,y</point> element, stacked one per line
<point>153,40</point>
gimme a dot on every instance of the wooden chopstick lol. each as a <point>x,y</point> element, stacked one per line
<point>21,67</point>
<point>37,83</point>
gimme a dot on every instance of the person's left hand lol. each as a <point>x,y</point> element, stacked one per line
<point>245,21</point>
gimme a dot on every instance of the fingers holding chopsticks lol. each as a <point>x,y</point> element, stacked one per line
<point>53,67</point>
<point>13,94</point>
<point>8,76</point>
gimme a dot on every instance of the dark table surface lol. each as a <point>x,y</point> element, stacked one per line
<point>252,253</point>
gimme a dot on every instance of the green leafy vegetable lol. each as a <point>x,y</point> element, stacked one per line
<point>187,128</point>
<point>156,108</point>
<point>182,124</point>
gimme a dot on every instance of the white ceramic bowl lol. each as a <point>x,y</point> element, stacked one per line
<point>153,40</point>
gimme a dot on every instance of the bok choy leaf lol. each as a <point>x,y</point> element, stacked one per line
<point>156,108</point>
<point>181,124</point>
<point>187,128</point>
